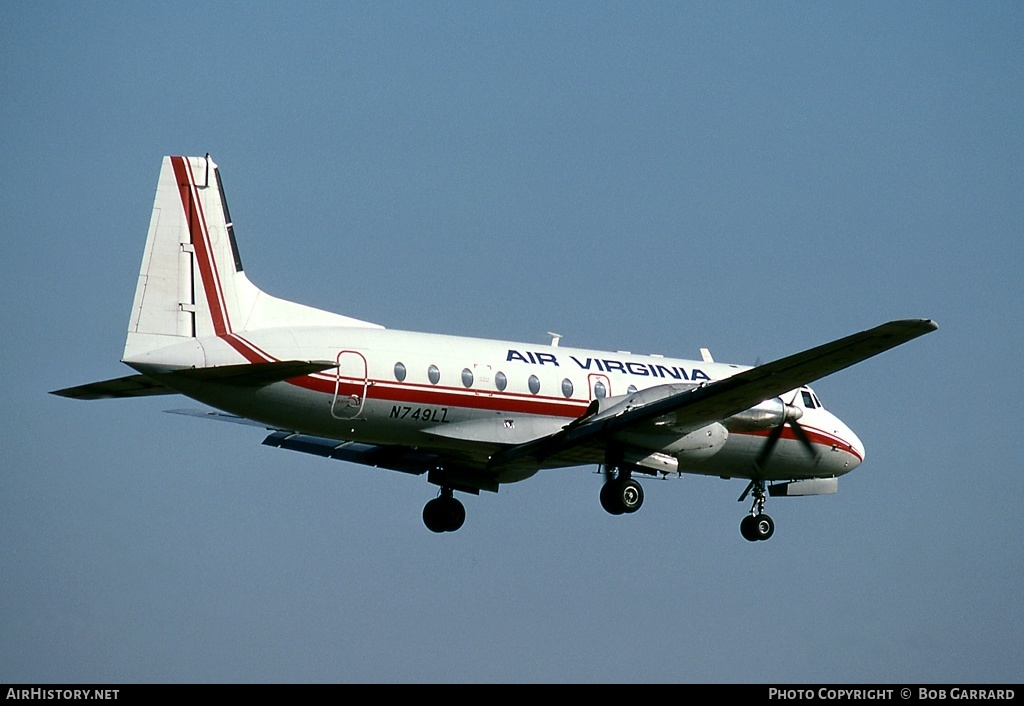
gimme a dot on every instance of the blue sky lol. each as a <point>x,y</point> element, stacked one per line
<point>756,178</point>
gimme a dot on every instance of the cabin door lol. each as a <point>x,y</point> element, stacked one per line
<point>350,385</point>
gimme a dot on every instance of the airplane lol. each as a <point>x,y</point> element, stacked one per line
<point>469,414</point>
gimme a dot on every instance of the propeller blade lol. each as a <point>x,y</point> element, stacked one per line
<point>769,447</point>
<point>802,437</point>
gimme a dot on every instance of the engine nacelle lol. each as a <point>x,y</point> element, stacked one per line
<point>765,415</point>
<point>604,407</point>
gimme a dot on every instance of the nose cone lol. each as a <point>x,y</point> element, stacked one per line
<point>848,448</point>
<point>854,447</point>
<point>856,444</point>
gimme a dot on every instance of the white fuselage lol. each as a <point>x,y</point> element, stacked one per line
<point>445,392</point>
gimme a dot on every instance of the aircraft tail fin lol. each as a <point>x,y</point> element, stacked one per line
<point>191,283</point>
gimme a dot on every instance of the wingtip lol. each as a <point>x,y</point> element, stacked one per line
<point>925,325</point>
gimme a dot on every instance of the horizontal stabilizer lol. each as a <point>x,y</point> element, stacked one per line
<point>247,374</point>
<point>128,386</point>
<point>256,374</point>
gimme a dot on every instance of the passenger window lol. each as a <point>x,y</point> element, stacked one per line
<point>534,384</point>
<point>467,377</point>
<point>433,374</point>
<point>599,389</point>
<point>567,387</point>
<point>400,372</point>
<point>500,381</point>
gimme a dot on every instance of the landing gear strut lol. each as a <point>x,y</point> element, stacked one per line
<point>621,494</point>
<point>444,513</point>
<point>757,525</point>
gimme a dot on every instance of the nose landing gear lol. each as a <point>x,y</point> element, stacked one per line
<point>756,526</point>
<point>444,513</point>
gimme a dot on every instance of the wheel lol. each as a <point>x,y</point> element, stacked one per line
<point>631,495</point>
<point>764,527</point>
<point>610,498</point>
<point>434,515</point>
<point>455,514</point>
<point>444,514</point>
<point>622,496</point>
<point>748,529</point>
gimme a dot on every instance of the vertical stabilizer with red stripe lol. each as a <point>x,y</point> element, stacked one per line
<point>191,284</point>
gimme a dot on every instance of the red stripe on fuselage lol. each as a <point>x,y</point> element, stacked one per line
<point>817,437</point>
<point>446,397</point>
<point>247,349</point>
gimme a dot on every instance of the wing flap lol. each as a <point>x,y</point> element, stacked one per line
<point>441,469</point>
<point>393,458</point>
<point>257,374</point>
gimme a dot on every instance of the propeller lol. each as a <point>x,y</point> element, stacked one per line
<point>792,414</point>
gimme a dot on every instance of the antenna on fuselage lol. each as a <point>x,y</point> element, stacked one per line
<point>555,338</point>
<point>705,355</point>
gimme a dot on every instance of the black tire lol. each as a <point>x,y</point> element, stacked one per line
<point>455,514</point>
<point>748,528</point>
<point>611,501</point>
<point>434,516</point>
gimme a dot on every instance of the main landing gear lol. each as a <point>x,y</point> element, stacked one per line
<point>444,513</point>
<point>757,525</point>
<point>620,494</point>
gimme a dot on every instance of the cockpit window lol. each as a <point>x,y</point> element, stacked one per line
<point>811,400</point>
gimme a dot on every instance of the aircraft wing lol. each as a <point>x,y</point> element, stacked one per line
<point>466,473</point>
<point>395,458</point>
<point>699,406</point>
